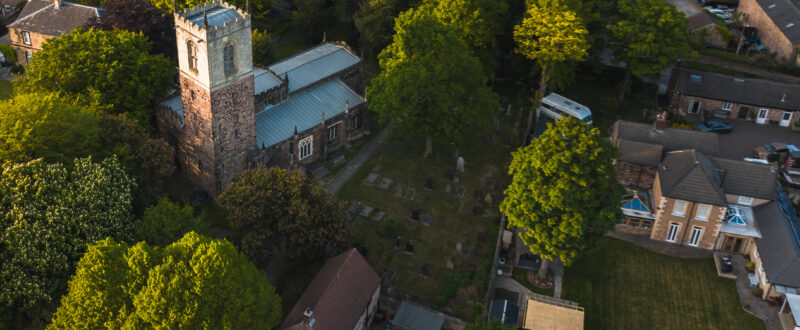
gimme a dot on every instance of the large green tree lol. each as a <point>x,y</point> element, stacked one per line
<point>564,193</point>
<point>257,8</point>
<point>374,21</point>
<point>311,18</point>
<point>167,221</point>
<point>549,34</point>
<point>140,16</point>
<point>477,21</point>
<point>194,283</point>
<point>43,125</point>
<point>113,69</point>
<point>272,211</point>
<point>48,215</point>
<point>430,83</point>
<point>649,37</point>
<point>263,49</point>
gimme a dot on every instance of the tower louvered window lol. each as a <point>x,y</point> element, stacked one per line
<point>191,55</point>
<point>229,58</point>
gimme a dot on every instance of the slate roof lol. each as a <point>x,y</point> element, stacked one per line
<point>670,138</point>
<point>699,21</point>
<point>276,123</point>
<point>785,14</point>
<point>264,80</point>
<point>691,176</point>
<point>640,153</point>
<point>756,92</point>
<point>217,15</point>
<point>338,295</point>
<point>42,17</point>
<point>415,317</point>
<point>314,64</point>
<point>747,179</point>
<point>779,245</point>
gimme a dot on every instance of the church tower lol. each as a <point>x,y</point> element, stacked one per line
<point>216,80</point>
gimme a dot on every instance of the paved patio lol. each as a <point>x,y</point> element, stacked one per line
<point>750,302</point>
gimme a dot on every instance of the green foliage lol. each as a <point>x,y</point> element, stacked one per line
<point>258,8</point>
<point>750,265</point>
<point>111,68</point>
<point>263,50</point>
<point>374,21</point>
<point>311,18</point>
<point>167,222</point>
<point>9,53</point>
<point>724,32</point>
<point>650,36</point>
<point>564,192</point>
<point>17,69</point>
<point>389,228</point>
<point>476,21</point>
<point>194,283</point>
<point>48,215</point>
<point>272,210</point>
<point>456,279</point>
<point>42,125</point>
<point>430,84</point>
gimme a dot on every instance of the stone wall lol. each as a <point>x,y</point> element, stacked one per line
<point>37,40</point>
<point>770,35</point>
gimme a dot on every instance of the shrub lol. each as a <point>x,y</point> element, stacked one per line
<point>750,266</point>
<point>17,69</point>
<point>388,228</point>
<point>8,53</point>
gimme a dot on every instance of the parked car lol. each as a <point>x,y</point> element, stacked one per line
<point>715,126</point>
<point>723,14</point>
<point>726,264</point>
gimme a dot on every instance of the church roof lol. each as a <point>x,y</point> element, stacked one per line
<point>264,80</point>
<point>304,111</point>
<point>217,15</point>
<point>314,64</point>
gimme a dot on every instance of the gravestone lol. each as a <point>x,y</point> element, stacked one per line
<point>450,264</point>
<point>448,174</point>
<point>378,215</point>
<point>371,179</point>
<point>456,178</point>
<point>354,207</point>
<point>429,184</point>
<point>365,212</point>
<point>411,193</point>
<point>415,215</point>
<point>472,250</point>
<point>425,270</point>
<point>478,195</point>
<point>388,276</point>
<point>398,244</point>
<point>477,210</point>
<point>409,247</point>
<point>460,191</point>
<point>460,247</point>
<point>386,183</point>
<point>337,157</point>
<point>398,191</point>
<point>460,164</point>
<point>482,237</point>
<point>488,198</point>
<point>490,212</point>
<point>428,220</point>
<point>447,189</point>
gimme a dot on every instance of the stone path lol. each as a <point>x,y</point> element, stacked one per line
<point>354,164</point>
<point>670,249</point>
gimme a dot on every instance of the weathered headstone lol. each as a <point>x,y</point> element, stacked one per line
<point>354,207</point>
<point>398,191</point>
<point>448,174</point>
<point>428,220</point>
<point>425,270</point>
<point>460,247</point>
<point>416,214</point>
<point>460,164</point>
<point>385,183</point>
<point>409,247</point>
<point>450,264</point>
<point>456,178</point>
<point>378,215</point>
<point>447,189</point>
<point>460,191</point>
<point>472,250</point>
<point>398,244</point>
<point>429,184</point>
<point>371,179</point>
<point>365,212</point>
<point>488,198</point>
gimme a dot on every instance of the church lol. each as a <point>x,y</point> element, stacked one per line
<point>231,116</point>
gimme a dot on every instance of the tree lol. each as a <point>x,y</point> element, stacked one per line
<point>256,8</point>
<point>48,215</point>
<point>263,50</point>
<point>650,37</point>
<point>374,21</point>
<point>167,222</point>
<point>564,192</point>
<point>430,84</point>
<point>194,283</point>
<point>477,21</point>
<point>139,16</point>
<point>8,53</point>
<point>113,69</point>
<point>272,210</point>
<point>42,125</point>
<point>549,34</point>
<point>311,18</point>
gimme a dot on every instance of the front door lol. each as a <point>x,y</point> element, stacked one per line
<point>732,244</point>
<point>786,118</point>
<point>762,116</point>
<point>743,111</point>
<point>694,107</point>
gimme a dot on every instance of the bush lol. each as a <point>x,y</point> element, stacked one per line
<point>750,266</point>
<point>8,53</point>
<point>17,69</point>
<point>166,222</point>
<point>388,228</point>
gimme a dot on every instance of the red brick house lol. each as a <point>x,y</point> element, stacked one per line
<point>778,24</point>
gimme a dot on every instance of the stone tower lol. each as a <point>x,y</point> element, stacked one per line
<point>216,78</point>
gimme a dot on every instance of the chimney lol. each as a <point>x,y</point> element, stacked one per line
<point>307,319</point>
<point>57,4</point>
<point>660,122</point>
<point>346,106</point>
<point>783,98</point>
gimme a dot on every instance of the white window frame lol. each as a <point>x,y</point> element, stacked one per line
<point>672,233</point>
<point>333,132</point>
<point>28,56</point>
<point>727,106</point>
<point>305,147</point>
<point>26,38</point>
<point>682,210</point>
<point>703,216</point>
<point>755,252</point>
<point>744,200</point>
<point>697,235</point>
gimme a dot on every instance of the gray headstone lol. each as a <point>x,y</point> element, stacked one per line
<point>365,212</point>
<point>398,244</point>
<point>409,247</point>
<point>425,270</point>
<point>378,215</point>
<point>428,220</point>
<point>385,184</point>
<point>488,198</point>
<point>371,179</point>
<point>398,191</point>
<point>416,215</point>
<point>460,247</point>
<point>450,263</point>
<point>429,184</point>
<point>472,250</point>
<point>460,164</point>
<point>354,207</point>
<point>447,189</point>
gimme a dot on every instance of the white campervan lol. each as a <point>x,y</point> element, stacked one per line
<point>555,106</point>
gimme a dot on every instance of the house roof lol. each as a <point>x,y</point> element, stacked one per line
<point>785,14</point>
<point>415,317</point>
<point>756,92</point>
<point>339,293</point>
<point>747,179</point>
<point>277,123</point>
<point>699,21</point>
<point>315,64</point>
<point>42,17</point>
<point>779,245</point>
<point>690,175</point>
<point>670,138</point>
<point>640,152</point>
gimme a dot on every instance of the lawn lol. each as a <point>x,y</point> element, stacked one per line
<point>623,286</point>
<point>521,276</point>
<point>5,89</point>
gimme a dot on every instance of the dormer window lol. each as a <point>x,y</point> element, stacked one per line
<point>191,55</point>
<point>744,200</point>
<point>229,58</point>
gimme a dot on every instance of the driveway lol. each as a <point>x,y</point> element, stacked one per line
<point>747,135</point>
<point>687,7</point>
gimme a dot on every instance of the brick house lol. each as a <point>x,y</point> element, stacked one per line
<point>703,25</point>
<point>778,24</point>
<point>230,115</point>
<point>8,8</point>
<point>695,92</point>
<point>343,295</point>
<point>41,20</point>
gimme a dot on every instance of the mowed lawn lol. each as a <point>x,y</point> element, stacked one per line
<point>623,286</point>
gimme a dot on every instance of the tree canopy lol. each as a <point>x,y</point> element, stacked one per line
<point>166,222</point>
<point>140,16</point>
<point>194,283</point>
<point>43,125</point>
<point>113,69</point>
<point>477,21</point>
<point>430,83</point>
<point>564,192</point>
<point>311,18</point>
<point>257,8</point>
<point>263,50</point>
<point>272,210</point>
<point>48,215</point>
<point>374,20</point>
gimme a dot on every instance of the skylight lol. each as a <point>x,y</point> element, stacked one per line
<point>735,215</point>
<point>789,25</point>
<point>636,205</point>
<point>771,6</point>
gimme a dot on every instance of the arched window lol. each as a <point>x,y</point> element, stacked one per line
<point>191,55</point>
<point>229,57</point>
